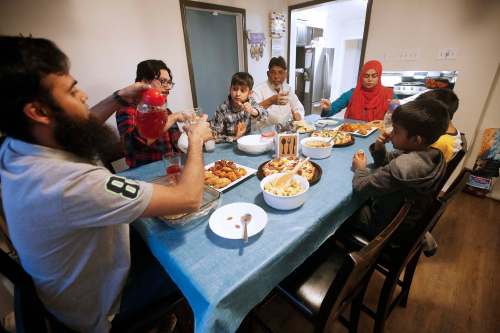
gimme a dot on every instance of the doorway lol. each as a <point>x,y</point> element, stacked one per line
<point>213,36</point>
<point>326,47</point>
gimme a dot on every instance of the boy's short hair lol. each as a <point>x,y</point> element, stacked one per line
<point>446,96</point>
<point>242,79</point>
<point>277,61</point>
<point>148,70</point>
<point>426,117</point>
<point>24,63</point>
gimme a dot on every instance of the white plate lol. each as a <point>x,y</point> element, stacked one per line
<point>323,122</point>
<point>250,172</point>
<point>226,221</point>
<point>356,132</point>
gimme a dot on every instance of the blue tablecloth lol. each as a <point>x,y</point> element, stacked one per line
<point>224,279</point>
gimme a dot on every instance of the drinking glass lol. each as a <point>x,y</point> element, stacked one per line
<point>173,167</point>
<point>195,114</point>
<point>266,130</point>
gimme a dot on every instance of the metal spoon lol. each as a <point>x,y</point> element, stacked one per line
<point>245,219</point>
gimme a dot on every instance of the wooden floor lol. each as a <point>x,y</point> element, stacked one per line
<point>455,291</point>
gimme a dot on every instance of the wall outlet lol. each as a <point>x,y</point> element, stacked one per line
<point>409,54</point>
<point>447,54</point>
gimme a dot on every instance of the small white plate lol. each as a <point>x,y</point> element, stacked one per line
<point>249,173</point>
<point>323,122</point>
<point>226,221</point>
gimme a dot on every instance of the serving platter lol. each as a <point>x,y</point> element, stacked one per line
<point>249,172</point>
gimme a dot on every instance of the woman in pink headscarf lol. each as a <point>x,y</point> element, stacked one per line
<point>368,101</point>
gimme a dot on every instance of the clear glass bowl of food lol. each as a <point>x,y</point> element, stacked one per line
<point>211,200</point>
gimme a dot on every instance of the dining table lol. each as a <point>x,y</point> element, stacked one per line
<point>223,279</point>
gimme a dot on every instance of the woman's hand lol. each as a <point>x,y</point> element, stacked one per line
<point>382,139</point>
<point>359,160</point>
<point>325,104</point>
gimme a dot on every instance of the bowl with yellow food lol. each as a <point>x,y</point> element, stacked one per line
<point>292,196</point>
<point>316,147</point>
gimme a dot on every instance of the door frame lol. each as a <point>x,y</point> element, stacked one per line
<point>208,6</point>
<point>318,2</point>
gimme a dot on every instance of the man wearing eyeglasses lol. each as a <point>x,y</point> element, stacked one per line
<point>139,150</point>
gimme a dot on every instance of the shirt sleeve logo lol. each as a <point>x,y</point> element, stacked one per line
<point>123,187</point>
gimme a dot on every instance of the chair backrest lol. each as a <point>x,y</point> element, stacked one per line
<point>29,312</point>
<point>357,268</point>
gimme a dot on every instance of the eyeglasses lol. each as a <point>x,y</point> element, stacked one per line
<point>166,83</point>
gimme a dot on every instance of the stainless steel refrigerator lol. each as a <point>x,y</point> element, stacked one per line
<point>313,75</point>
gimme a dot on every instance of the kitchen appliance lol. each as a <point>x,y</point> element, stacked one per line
<point>313,75</point>
<point>406,89</point>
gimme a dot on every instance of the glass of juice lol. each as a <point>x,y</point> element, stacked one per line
<point>173,167</point>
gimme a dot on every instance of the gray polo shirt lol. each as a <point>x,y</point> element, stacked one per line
<point>68,220</point>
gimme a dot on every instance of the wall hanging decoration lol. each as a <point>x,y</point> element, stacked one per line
<point>257,41</point>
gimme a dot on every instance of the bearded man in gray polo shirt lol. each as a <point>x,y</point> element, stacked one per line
<point>67,217</point>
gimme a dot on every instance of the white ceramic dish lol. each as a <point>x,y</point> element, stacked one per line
<point>255,144</point>
<point>323,122</point>
<point>316,152</point>
<point>249,173</point>
<point>226,221</point>
<point>283,202</point>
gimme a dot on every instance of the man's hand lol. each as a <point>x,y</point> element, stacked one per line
<point>325,104</point>
<point>359,160</point>
<point>382,139</point>
<point>199,130</point>
<point>132,94</point>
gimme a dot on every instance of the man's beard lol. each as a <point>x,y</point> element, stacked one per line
<point>87,138</point>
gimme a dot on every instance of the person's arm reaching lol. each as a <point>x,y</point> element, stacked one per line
<point>187,194</point>
<point>329,108</point>
<point>130,94</point>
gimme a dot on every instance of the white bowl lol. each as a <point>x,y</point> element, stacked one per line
<point>316,153</point>
<point>255,144</point>
<point>283,202</point>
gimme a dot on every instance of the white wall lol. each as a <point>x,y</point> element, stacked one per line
<point>106,39</point>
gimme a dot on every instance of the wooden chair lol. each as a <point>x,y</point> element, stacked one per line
<point>32,317</point>
<point>331,279</point>
<point>405,256</point>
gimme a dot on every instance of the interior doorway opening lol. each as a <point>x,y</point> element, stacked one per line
<point>326,49</point>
